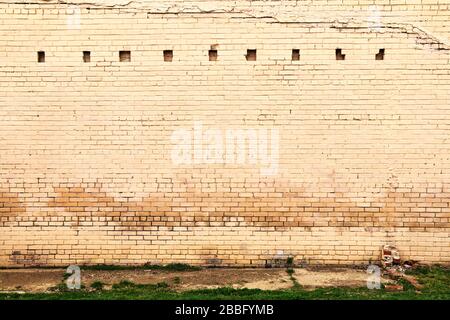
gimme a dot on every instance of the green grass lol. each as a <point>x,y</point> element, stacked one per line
<point>436,281</point>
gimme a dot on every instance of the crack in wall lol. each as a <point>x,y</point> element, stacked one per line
<point>423,37</point>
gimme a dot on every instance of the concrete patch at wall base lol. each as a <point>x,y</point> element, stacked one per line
<point>86,174</point>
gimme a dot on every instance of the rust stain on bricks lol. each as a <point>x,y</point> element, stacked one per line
<point>29,257</point>
<point>280,210</point>
<point>10,207</point>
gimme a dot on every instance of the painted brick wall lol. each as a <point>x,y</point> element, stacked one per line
<point>87,170</point>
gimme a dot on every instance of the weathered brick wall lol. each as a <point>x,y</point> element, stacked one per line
<point>86,172</point>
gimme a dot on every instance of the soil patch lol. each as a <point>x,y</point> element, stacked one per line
<point>41,280</point>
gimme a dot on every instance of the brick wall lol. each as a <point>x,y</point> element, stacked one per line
<point>87,173</point>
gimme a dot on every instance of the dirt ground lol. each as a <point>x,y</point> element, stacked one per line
<point>333,278</point>
<point>40,280</point>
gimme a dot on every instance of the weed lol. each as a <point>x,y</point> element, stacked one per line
<point>177,280</point>
<point>289,261</point>
<point>97,285</point>
<point>295,283</point>
<point>172,267</point>
<point>128,285</point>
<point>60,287</point>
<point>124,284</point>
